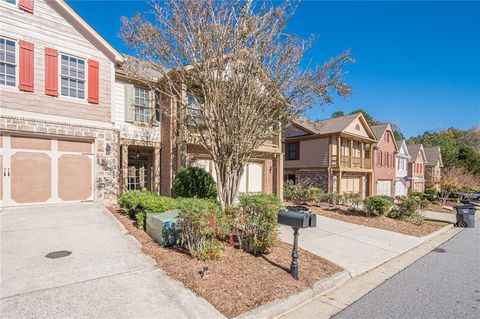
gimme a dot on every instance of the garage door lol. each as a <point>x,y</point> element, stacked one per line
<point>252,178</point>
<point>45,171</point>
<point>384,188</point>
<point>351,184</point>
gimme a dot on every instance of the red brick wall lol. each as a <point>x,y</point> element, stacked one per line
<point>381,172</point>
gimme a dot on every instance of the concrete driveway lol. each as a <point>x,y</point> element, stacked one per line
<point>105,276</point>
<point>354,247</point>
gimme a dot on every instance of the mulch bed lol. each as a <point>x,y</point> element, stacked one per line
<point>381,222</point>
<point>238,281</point>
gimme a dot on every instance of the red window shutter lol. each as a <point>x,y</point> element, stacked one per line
<point>93,82</point>
<point>51,72</point>
<point>26,5</point>
<point>26,66</point>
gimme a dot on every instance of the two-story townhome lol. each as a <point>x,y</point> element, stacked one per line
<point>154,146</point>
<point>57,74</point>
<point>334,154</point>
<point>433,167</point>
<point>402,182</point>
<point>136,113</point>
<point>416,167</point>
<point>384,160</point>
<point>262,173</point>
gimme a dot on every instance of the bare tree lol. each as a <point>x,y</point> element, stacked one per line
<point>456,179</point>
<point>234,72</point>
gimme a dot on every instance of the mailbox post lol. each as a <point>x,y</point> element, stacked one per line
<point>297,217</point>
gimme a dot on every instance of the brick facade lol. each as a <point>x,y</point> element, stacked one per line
<point>107,168</point>
<point>310,178</point>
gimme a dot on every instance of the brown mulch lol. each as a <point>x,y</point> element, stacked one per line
<point>381,222</point>
<point>238,281</point>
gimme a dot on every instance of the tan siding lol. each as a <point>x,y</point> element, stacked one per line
<point>352,129</point>
<point>46,28</point>
<point>313,153</point>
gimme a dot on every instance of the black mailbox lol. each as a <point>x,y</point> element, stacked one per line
<point>298,219</point>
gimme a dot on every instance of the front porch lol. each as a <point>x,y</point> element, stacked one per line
<point>140,165</point>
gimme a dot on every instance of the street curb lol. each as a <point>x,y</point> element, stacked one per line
<point>436,233</point>
<point>280,306</point>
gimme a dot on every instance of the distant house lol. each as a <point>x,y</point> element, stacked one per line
<point>416,167</point>
<point>334,154</point>
<point>384,160</point>
<point>402,182</point>
<point>433,166</point>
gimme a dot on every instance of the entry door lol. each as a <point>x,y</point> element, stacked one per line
<point>45,171</point>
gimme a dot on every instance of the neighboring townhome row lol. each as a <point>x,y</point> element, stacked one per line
<point>57,141</point>
<point>334,154</point>
<point>402,182</point>
<point>433,167</point>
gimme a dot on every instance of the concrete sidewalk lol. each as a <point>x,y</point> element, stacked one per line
<point>444,217</point>
<point>105,276</point>
<point>356,248</point>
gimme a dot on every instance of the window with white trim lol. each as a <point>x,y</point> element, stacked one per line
<point>10,1</point>
<point>72,76</point>
<point>193,109</point>
<point>8,62</point>
<point>142,106</point>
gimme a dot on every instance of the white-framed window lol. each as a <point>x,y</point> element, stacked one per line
<point>72,76</point>
<point>14,2</point>
<point>142,105</point>
<point>193,109</point>
<point>8,62</point>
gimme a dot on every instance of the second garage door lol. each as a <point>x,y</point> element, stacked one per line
<point>384,188</point>
<point>45,171</point>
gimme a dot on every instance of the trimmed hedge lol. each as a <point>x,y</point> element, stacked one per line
<point>194,182</point>
<point>378,205</point>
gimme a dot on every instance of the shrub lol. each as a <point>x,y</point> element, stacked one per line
<point>314,194</point>
<point>352,200</point>
<point>194,182</point>
<point>137,203</point>
<point>431,191</point>
<point>378,205</point>
<point>408,208</point>
<point>201,226</point>
<point>331,198</point>
<point>255,222</point>
<point>293,192</point>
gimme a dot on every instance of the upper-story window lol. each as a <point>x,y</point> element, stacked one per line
<point>193,108</point>
<point>292,151</point>
<point>142,105</point>
<point>386,160</point>
<point>10,1</point>
<point>72,75</point>
<point>8,62</point>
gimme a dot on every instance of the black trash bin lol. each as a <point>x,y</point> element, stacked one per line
<point>465,215</point>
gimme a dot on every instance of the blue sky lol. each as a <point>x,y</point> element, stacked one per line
<point>418,63</point>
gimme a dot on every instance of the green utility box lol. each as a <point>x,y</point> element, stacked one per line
<point>164,227</point>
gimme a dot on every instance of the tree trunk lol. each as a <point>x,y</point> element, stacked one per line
<point>228,182</point>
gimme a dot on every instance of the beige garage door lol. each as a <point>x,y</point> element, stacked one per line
<point>251,180</point>
<point>45,171</point>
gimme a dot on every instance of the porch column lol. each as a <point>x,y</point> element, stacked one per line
<point>351,153</point>
<point>156,170</point>
<point>339,182</point>
<point>125,168</point>
<point>339,155</point>
<point>279,158</point>
<point>362,155</point>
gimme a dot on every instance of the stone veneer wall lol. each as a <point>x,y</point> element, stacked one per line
<point>310,178</point>
<point>107,167</point>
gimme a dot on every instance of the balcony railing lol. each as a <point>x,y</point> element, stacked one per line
<point>345,162</point>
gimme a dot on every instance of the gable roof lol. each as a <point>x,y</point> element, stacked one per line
<point>380,129</point>
<point>403,147</point>
<point>433,155</point>
<point>139,69</point>
<point>79,22</point>
<point>414,150</point>
<point>330,126</point>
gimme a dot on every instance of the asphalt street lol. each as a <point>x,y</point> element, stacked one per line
<point>445,283</point>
